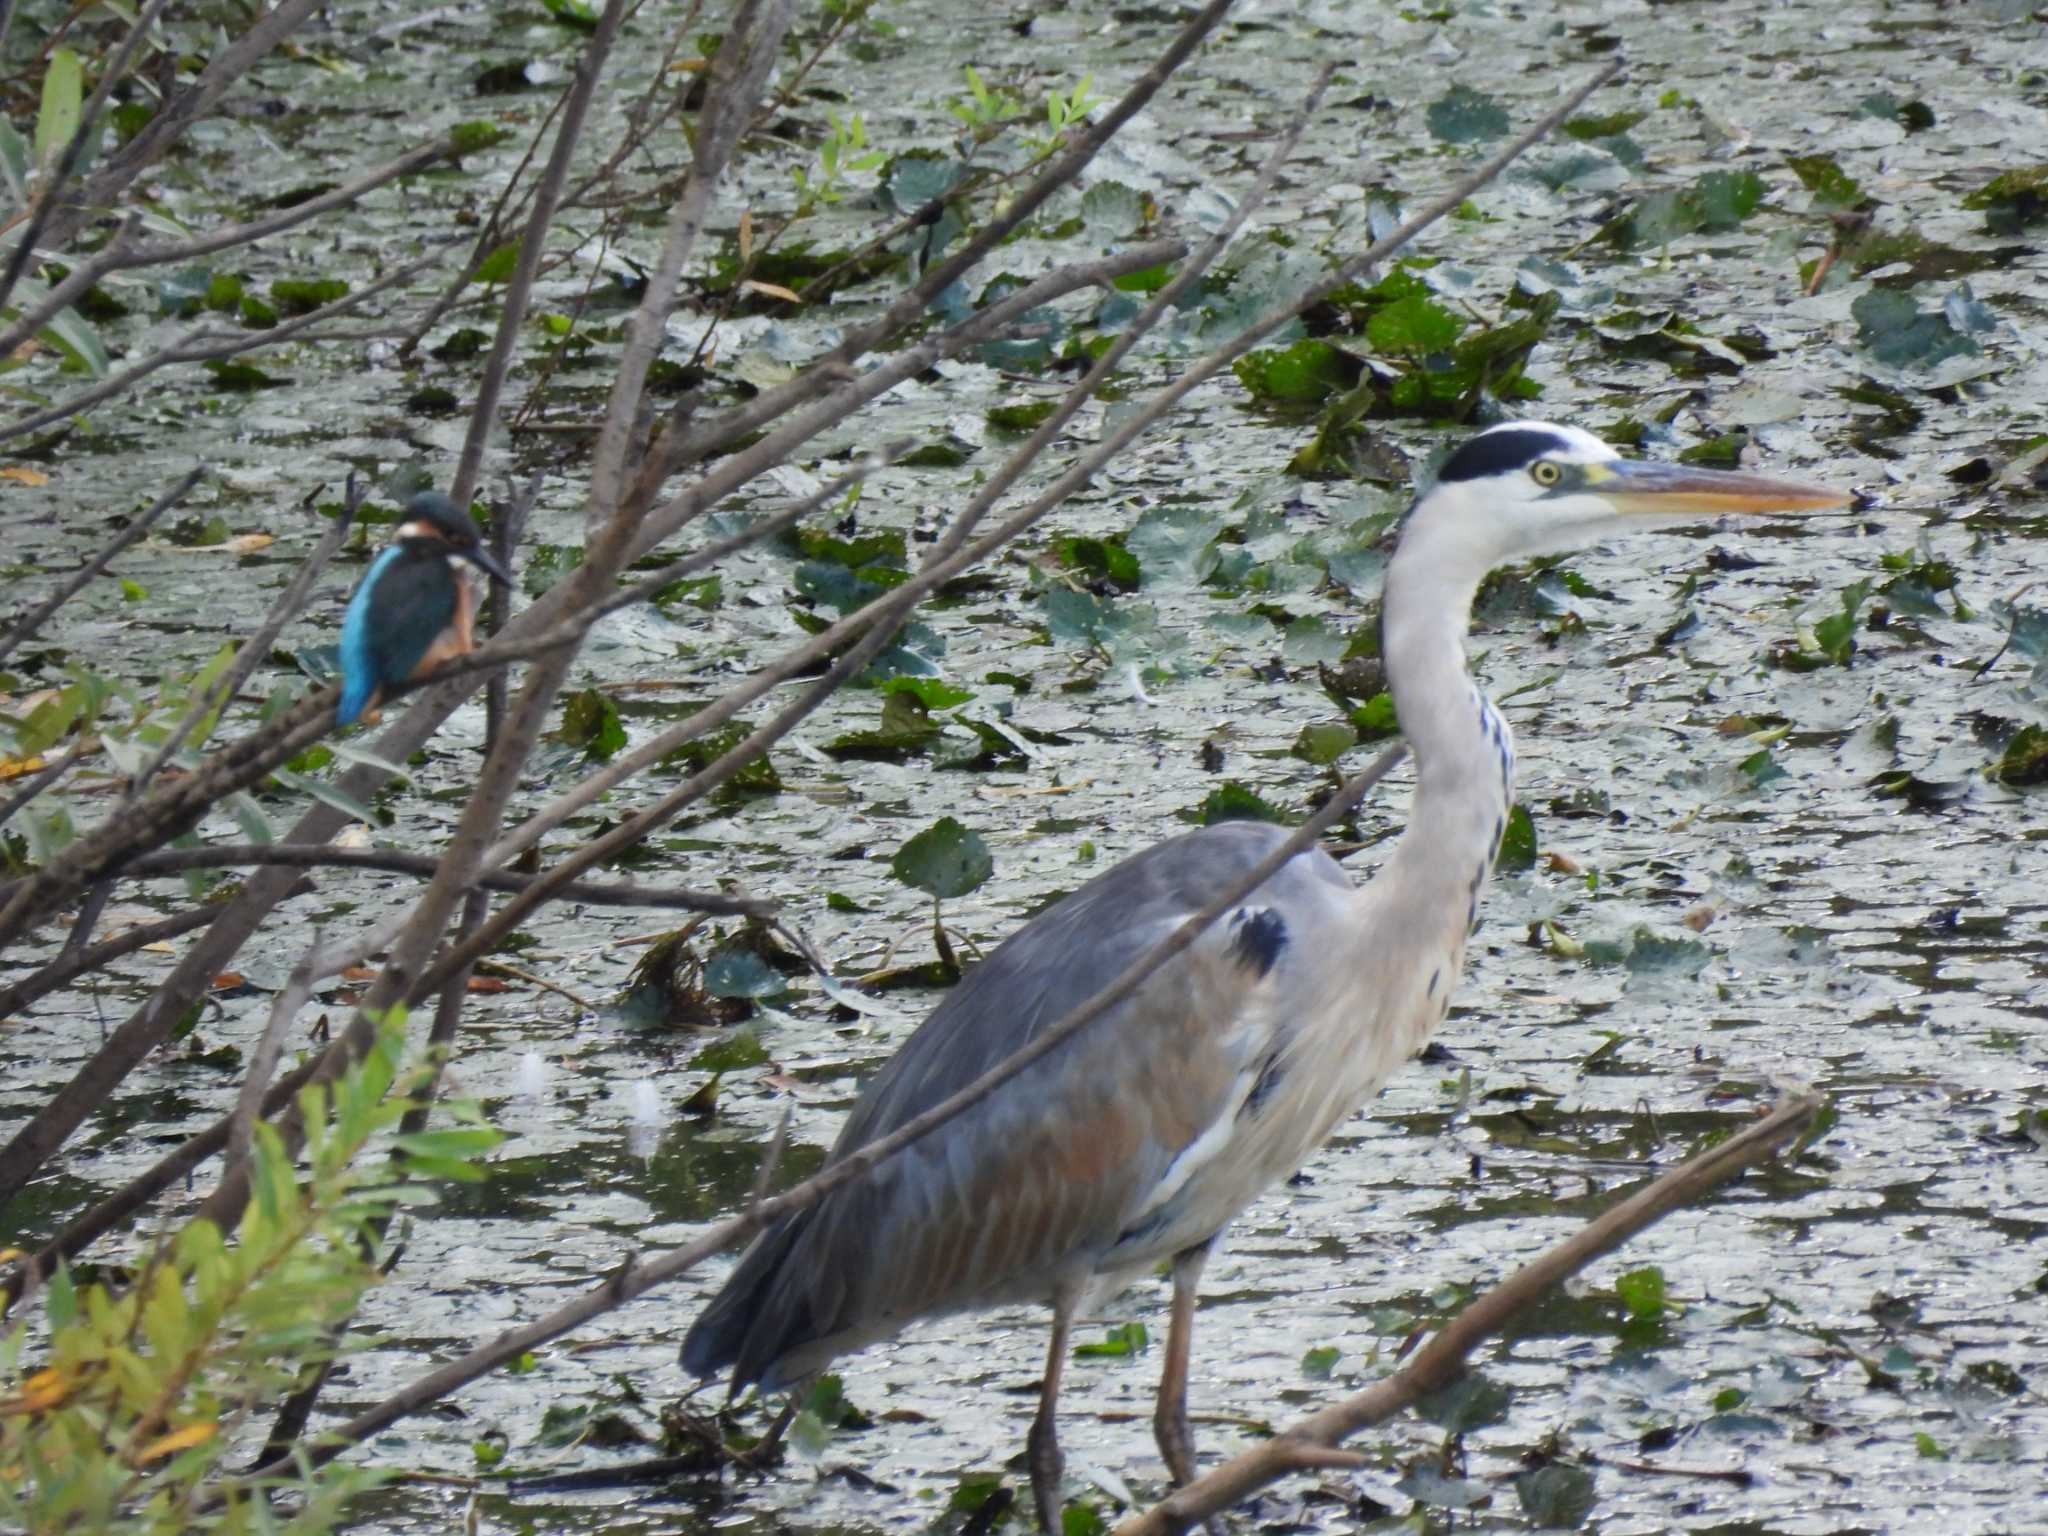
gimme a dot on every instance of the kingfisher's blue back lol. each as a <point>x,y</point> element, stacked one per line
<point>405,599</point>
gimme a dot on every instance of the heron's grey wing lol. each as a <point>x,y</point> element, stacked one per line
<point>1041,1180</point>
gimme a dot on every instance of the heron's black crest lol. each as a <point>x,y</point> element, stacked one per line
<point>1491,453</point>
<point>1259,937</point>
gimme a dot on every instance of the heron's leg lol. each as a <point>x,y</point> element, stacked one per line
<point>1170,1417</point>
<point>1044,1443</point>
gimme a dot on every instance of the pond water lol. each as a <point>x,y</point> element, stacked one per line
<point>1757,867</point>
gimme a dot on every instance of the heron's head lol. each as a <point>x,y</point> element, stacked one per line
<point>430,515</point>
<point>1530,488</point>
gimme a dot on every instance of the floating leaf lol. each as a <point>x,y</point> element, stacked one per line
<point>1106,558</point>
<point>741,1050</point>
<point>590,720</point>
<point>1642,1293</point>
<point>1464,116</point>
<point>1413,325</point>
<point>1174,544</point>
<point>1896,331</point>
<point>734,970</point>
<point>945,860</point>
<point>1556,1495</point>
<point>1322,742</point>
<point>1831,186</point>
<point>1517,842</point>
<point>1318,1363</point>
<point>1471,1402</point>
<point>2024,761</point>
<point>1232,801</point>
<point>1020,418</point>
<point>2012,200</point>
<point>1121,1341</point>
<point>1309,370</point>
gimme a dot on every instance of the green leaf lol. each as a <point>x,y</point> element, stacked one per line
<point>250,818</point>
<point>2024,762</point>
<point>1895,331</point>
<point>1375,718</point>
<point>590,720</point>
<point>1119,1342</point>
<point>63,98</point>
<point>1831,186</point>
<point>1175,544</point>
<point>77,342</point>
<point>327,794</point>
<point>1471,1402</point>
<point>1556,1495</point>
<point>1464,116</point>
<point>931,692</point>
<point>497,266</point>
<point>1518,841</point>
<point>1020,418</point>
<point>1414,325</point>
<point>1642,1293</point>
<point>1726,198</point>
<point>303,295</point>
<point>1324,741</point>
<point>744,1049</point>
<point>14,163</point>
<point>1106,558</point>
<point>1318,1363</point>
<point>1232,801</point>
<point>475,134</point>
<point>945,860</point>
<point>1309,370</point>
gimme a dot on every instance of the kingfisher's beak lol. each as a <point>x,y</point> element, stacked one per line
<point>1634,486</point>
<point>487,562</point>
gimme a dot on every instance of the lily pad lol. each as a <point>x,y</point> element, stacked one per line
<point>945,860</point>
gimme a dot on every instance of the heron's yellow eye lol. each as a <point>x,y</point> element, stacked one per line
<point>1543,472</point>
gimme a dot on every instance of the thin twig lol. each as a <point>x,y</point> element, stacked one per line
<point>204,344</point>
<point>640,1274</point>
<point>177,861</point>
<point>1442,1359</point>
<point>68,966</point>
<point>256,649</point>
<point>78,579</point>
<point>89,125</point>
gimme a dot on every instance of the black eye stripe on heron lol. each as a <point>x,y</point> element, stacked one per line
<point>1135,1142</point>
<point>1502,449</point>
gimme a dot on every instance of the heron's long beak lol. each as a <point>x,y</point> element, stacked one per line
<point>488,563</point>
<point>1638,486</point>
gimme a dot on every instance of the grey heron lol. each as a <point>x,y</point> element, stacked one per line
<point>1136,1142</point>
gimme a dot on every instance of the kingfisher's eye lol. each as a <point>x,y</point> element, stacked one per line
<point>1543,472</point>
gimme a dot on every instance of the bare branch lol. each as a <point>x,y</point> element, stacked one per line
<point>519,290</point>
<point>73,963</point>
<point>89,124</point>
<point>79,578</point>
<point>205,343</point>
<point>178,861</point>
<point>639,1275</point>
<point>256,648</point>
<point>1308,1443</point>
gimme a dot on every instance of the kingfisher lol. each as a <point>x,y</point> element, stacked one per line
<point>413,608</point>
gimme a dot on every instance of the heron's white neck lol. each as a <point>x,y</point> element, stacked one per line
<point>1464,755</point>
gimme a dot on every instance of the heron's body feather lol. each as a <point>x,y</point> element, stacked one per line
<point>1139,1138</point>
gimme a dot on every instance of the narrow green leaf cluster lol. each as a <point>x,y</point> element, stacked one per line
<point>126,1401</point>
